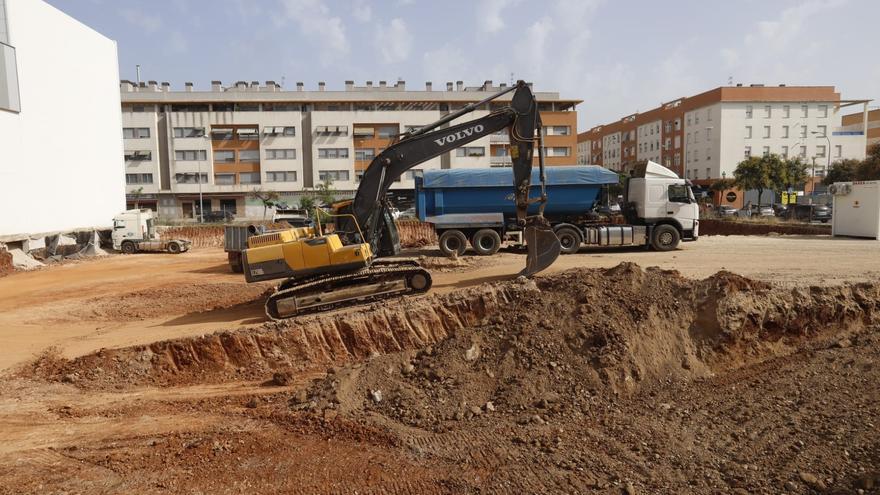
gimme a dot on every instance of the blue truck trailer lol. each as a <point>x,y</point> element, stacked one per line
<point>475,206</point>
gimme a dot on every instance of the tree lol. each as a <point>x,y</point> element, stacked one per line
<point>722,185</point>
<point>307,203</point>
<point>792,172</point>
<point>753,173</point>
<point>869,168</point>
<point>841,171</point>
<point>267,198</point>
<point>325,192</point>
<point>137,193</point>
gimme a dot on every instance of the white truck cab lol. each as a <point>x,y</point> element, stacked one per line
<point>135,230</point>
<point>656,195</point>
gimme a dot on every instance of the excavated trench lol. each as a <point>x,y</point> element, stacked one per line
<point>614,329</point>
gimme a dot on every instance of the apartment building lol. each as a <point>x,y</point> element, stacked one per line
<point>860,121</point>
<point>60,145</point>
<point>704,137</point>
<point>223,143</point>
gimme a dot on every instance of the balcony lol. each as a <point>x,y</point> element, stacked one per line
<point>500,161</point>
<point>499,138</point>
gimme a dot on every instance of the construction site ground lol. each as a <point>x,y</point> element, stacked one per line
<point>741,364</point>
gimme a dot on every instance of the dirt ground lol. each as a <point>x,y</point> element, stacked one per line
<point>157,373</point>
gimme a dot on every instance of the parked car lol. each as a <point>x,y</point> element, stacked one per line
<point>763,211</point>
<point>725,211</point>
<point>779,209</point>
<point>809,213</point>
<point>218,216</point>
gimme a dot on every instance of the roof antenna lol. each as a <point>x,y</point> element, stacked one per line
<point>137,69</point>
<point>512,80</point>
<point>730,80</point>
<point>282,81</point>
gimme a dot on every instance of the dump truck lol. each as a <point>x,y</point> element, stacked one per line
<point>135,231</point>
<point>474,207</point>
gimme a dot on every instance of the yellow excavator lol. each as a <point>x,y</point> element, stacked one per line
<point>327,270</point>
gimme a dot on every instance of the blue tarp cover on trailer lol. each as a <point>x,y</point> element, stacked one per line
<point>494,177</point>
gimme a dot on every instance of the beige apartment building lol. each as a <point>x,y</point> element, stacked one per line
<point>703,137</point>
<point>223,143</point>
<point>856,122</point>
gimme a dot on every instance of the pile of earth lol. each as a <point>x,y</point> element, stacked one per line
<point>710,226</point>
<point>586,333</point>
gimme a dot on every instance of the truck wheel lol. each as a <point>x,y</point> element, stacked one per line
<point>128,247</point>
<point>453,243</point>
<point>570,240</point>
<point>486,242</point>
<point>174,248</point>
<point>235,262</point>
<point>665,238</point>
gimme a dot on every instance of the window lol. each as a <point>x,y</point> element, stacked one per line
<point>248,156</point>
<point>281,107</point>
<point>388,131</point>
<point>138,178</point>
<point>667,127</point>
<point>246,107</point>
<point>224,179</point>
<point>838,151</point>
<point>696,118</point>
<point>470,151</point>
<point>678,193</point>
<point>228,205</point>
<point>765,151</point>
<point>820,151</point>
<point>689,119</point>
<point>748,152</point>
<point>358,175</point>
<point>281,154</point>
<point>709,114</point>
<point>364,154</point>
<point>803,131</point>
<point>249,177</point>
<point>823,111</point>
<point>186,132</point>
<point>333,175</point>
<point>708,153</point>
<point>785,152</point>
<point>748,132</point>
<point>222,134</point>
<point>708,173</point>
<point>138,156</point>
<point>677,142</point>
<point>786,111</point>
<point>688,174</point>
<point>804,111</point>
<point>677,124</point>
<point>223,156</point>
<point>333,153</point>
<point>803,153</point>
<point>247,134</point>
<point>9,96</point>
<point>286,176</point>
<point>785,131</point>
<point>190,155</point>
<point>135,132</point>
<point>766,131</point>
<point>767,111</point>
<point>332,130</point>
<point>274,131</point>
<point>696,136</point>
<point>748,111</point>
<point>688,154</point>
<point>822,130</point>
<point>561,151</point>
<point>677,159</point>
<point>191,178</point>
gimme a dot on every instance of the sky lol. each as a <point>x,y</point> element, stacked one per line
<point>618,56</point>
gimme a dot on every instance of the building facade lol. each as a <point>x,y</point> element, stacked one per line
<point>704,137</point>
<point>860,121</point>
<point>60,155</point>
<point>225,143</point>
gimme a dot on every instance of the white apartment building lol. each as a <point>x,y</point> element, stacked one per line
<point>61,146</point>
<point>223,144</point>
<point>704,137</point>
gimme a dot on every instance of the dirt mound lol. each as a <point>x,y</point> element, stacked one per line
<point>175,299</point>
<point>588,332</point>
<point>6,266</point>
<point>709,226</point>
<point>309,342</point>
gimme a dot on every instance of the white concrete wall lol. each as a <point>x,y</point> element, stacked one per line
<point>61,164</point>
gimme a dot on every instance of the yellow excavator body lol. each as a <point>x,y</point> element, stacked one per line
<point>300,252</point>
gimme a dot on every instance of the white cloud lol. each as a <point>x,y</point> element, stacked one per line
<point>447,63</point>
<point>394,41</point>
<point>361,11</point>
<point>317,24</point>
<point>489,12</point>
<point>148,22</point>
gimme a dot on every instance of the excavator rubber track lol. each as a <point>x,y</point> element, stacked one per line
<point>324,292</point>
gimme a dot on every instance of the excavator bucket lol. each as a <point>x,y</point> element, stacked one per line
<point>543,248</point>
